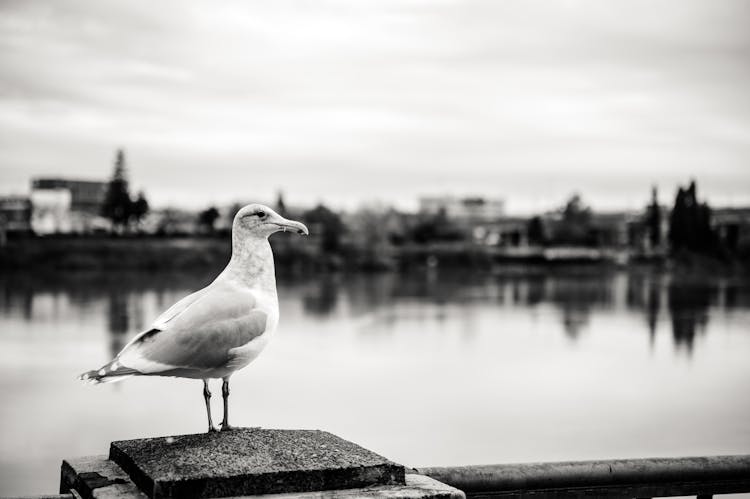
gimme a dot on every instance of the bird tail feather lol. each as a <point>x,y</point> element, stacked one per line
<point>109,373</point>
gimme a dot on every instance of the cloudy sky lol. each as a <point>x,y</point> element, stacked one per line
<point>353,101</point>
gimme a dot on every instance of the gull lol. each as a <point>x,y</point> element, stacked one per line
<point>219,329</point>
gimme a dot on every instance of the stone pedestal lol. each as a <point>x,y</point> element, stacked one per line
<point>242,463</point>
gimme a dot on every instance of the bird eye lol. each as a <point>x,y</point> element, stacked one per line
<point>261,214</point>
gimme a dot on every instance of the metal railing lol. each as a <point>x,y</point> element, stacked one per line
<point>620,478</point>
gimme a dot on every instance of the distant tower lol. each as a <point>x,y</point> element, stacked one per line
<point>280,205</point>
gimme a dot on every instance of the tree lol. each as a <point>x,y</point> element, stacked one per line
<point>370,234</point>
<point>233,209</point>
<point>207,218</point>
<point>437,227</point>
<point>576,212</point>
<point>330,227</point>
<point>535,231</point>
<point>678,221</point>
<point>117,205</point>
<point>139,208</point>
<point>575,226</point>
<point>653,220</point>
<point>690,223</point>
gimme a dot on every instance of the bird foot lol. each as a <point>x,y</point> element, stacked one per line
<point>226,427</point>
<point>212,429</point>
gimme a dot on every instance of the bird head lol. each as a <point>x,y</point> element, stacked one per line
<point>261,221</point>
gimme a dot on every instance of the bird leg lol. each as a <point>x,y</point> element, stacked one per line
<point>225,393</point>
<point>207,397</point>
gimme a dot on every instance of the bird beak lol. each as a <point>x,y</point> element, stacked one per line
<point>292,225</point>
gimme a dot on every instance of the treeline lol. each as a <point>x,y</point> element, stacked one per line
<point>690,224</point>
<point>378,237</point>
<point>119,206</point>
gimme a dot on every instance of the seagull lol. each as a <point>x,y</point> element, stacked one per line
<point>219,329</point>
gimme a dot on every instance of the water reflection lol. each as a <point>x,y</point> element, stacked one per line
<point>434,368</point>
<point>134,299</point>
<point>117,315</point>
<point>644,291</point>
<point>575,294</point>
<point>688,308</point>
<point>320,298</point>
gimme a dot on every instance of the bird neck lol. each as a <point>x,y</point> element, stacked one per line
<point>252,263</point>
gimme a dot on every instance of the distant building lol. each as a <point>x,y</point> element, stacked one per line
<point>732,226</point>
<point>85,195</point>
<point>61,205</point>
<point>466,209</point>
<point>477,217</point>
<point>597,229</point>
<point>508,232</point>
<point>15,214</point>
<point>617,229</point>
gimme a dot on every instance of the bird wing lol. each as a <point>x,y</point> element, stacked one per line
<point>199,336</point>
<point>166,316</point>
<point>178,307</point>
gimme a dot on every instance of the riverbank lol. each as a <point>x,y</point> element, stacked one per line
<point>304,255</point>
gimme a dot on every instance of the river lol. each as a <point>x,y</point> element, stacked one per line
<point>435,368</point>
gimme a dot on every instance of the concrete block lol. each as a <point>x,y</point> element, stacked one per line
<point>96,477</point>
<point>251,462</point>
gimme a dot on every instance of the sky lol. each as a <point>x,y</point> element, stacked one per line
<point>354,102</point>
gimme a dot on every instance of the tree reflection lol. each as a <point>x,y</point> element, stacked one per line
<point>370,291</point>
<point>17,295</point>
<point>652,307</point>
<point>437,296</point>
<point>535,294</point>
<point>576,296</point>
<point>117,320</point>
<point>644,293</point>
<point>688,308</point>
<point>321,298</point>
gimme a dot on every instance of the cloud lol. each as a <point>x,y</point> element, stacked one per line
<point>491,97</point>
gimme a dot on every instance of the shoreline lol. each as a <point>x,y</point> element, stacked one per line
<point>177,253</point>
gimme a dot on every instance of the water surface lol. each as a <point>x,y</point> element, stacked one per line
<point>428,369</point>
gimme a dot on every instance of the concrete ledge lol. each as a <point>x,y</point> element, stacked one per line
<point>110,484</point>
<point>251,462</point>
<point>96,477</point>
<point>416,487</point>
